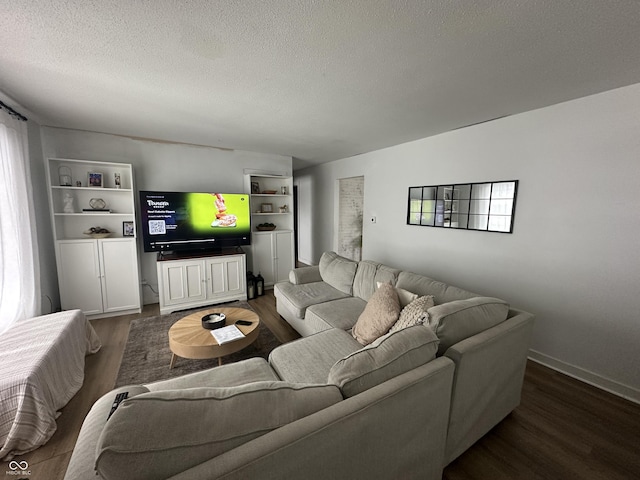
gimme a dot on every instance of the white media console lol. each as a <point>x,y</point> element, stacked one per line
<point>188,281</point>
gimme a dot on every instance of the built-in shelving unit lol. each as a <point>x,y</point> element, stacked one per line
<point>271,203</point>
<point>98,274</point>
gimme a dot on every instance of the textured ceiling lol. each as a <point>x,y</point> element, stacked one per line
<point>317,80</point>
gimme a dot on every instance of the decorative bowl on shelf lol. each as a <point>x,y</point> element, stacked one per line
<point>265,227</point>
<point>97,232</point>
<point>270,192</point>
<point>97,204</point>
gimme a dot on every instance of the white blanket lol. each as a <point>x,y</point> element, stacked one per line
<point>41,369</point>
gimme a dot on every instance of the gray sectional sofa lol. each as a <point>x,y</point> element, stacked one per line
<point>486,339</point>
<point>324,406</point>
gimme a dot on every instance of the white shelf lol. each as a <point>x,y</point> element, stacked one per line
<point>96,189</point>
<point>262,214</point>
<point>93,214</point>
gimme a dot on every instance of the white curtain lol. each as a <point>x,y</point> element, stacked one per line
<point>19,270</point>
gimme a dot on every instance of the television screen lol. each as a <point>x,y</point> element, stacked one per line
<point>194,221</point>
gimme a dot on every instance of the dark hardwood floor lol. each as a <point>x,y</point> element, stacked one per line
<point>563,429</point>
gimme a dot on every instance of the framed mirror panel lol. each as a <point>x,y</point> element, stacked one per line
<point>487,206</point>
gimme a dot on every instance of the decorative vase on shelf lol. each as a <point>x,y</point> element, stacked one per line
<point>64,176</point>
<point>68,200</point>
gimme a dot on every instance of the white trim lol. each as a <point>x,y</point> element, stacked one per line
<point>266,173</point>
<point>606,384</point>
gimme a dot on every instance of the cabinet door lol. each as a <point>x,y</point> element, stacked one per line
<point>79,276</point>
<point>263,253</point>
<point>120,280</point>
<point>184,282</point>
<point>283,255</point>
<point>235,274</point>
<point>225,275</point>
<point>216,277</point>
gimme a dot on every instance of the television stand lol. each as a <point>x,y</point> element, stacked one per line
<point>194,279</point>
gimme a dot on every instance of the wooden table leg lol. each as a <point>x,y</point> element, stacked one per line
<point>173,359</point>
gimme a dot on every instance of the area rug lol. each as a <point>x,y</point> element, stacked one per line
<point>147,355</point>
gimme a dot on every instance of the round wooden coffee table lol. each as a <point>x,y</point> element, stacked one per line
<point>189,339</point>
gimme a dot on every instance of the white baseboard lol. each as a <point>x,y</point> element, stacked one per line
<point>598,381</point>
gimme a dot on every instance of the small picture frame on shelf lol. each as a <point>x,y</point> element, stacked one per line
<point>94,179</point>
<point>255,187</point>
<point>128,229</point>
<point>266,208</point>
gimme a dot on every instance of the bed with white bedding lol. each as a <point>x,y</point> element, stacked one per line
<point>41,369</point>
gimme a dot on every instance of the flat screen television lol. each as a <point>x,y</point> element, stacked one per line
<point>194,221</point>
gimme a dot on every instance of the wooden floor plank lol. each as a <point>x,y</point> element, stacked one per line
<point>563,429</point>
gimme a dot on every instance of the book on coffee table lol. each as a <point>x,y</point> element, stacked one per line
<point>227,334</point>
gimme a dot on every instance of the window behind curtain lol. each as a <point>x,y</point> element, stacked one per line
<point>19,275</point>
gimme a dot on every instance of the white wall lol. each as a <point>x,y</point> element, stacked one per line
<point>573,258</point>
<point>163,166</point>
<point>46,252</point>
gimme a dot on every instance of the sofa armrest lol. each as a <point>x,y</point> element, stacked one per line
<point>301,275</point>
<point>488,380</point>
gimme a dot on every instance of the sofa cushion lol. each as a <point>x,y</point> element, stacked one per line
<point>427,286</point>
<point>341,313</point>
<point>158,434</point>
<point>297,298</point>
<point>309,359</point>
<point>368,275</point>
<point>389,356</point>
<point>414,314</point>
<point>460,319</point>
<point>229,375</point>
<point>381,312</point>
<point>338,271</point>
<point>301,275</point>
<point>405,297</point>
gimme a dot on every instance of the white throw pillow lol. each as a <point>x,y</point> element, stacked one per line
<point>415,313</point>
